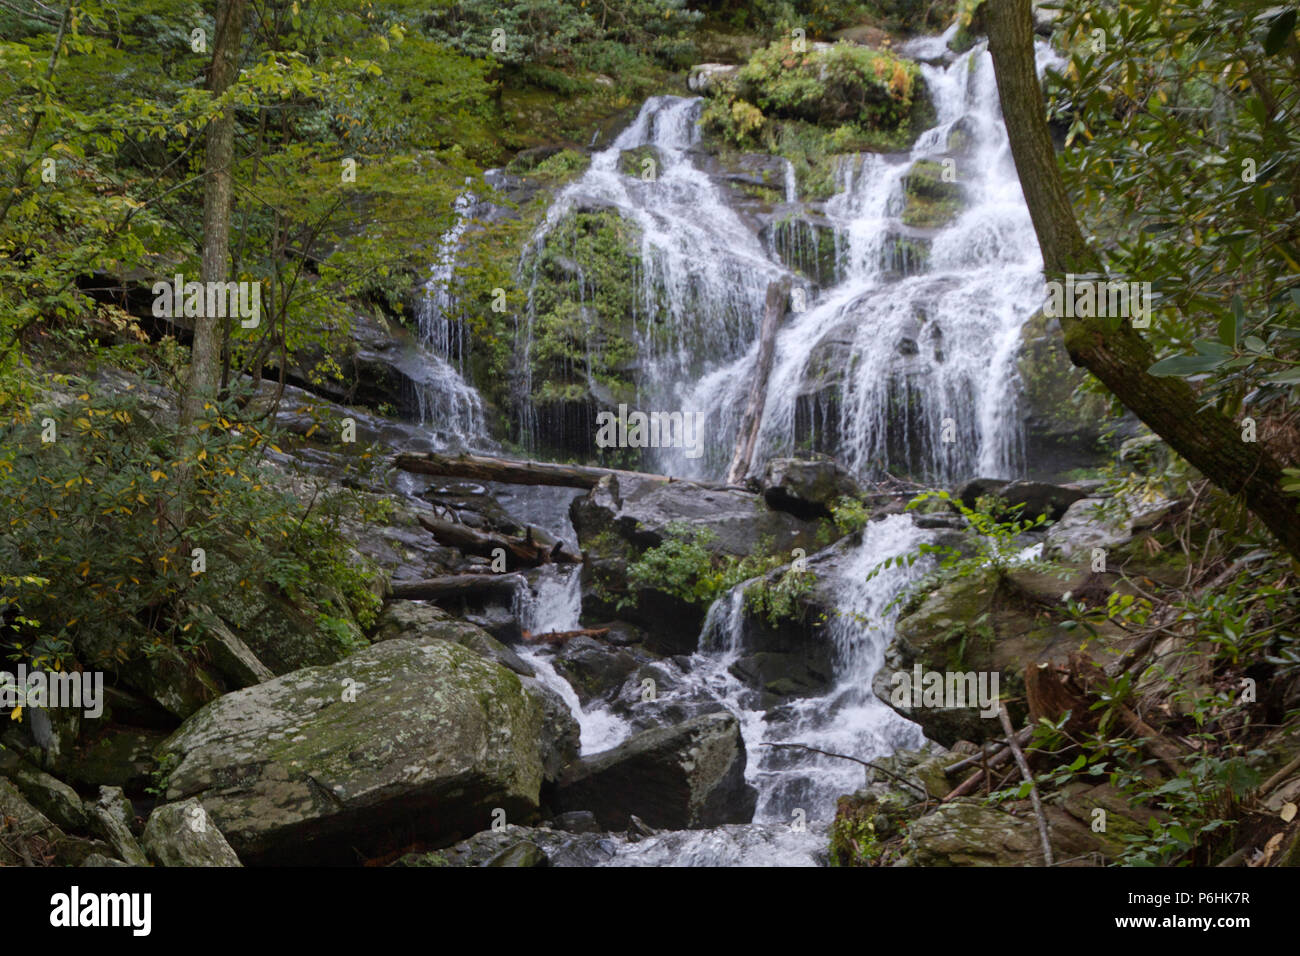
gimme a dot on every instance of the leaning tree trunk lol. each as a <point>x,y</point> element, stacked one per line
<point>205,352</point>
<point>752,420</point>
<point>1120,357</point>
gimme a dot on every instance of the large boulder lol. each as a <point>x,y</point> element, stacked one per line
<point>807,487</point>
<point>595,670</point>
<point>418,619</point>
<point>1034,498</point>
<point>684,777</point>
<point>180,834</point>
<point>988,625</point>
<point>406,740</point>
<point>1104,523</point>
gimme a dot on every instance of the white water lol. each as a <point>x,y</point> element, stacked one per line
<point>847,720</point>
<point>704,272</point>
<point>930,381</point>
<point>444,400</point>
<point>553,603</point>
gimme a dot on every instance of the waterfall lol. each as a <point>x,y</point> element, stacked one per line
<point>444,401</point>
<point>704,273</point>
<point>925,323</point>
<point>928,321</point>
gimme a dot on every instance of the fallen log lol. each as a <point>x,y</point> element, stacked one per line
<point>520,552</point>
<point>558,637</point>
<point>752,419</point>
<point>459,586</point>
<point>509,471</point>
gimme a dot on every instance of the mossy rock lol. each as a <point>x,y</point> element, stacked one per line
<point>931,200</point>
<point>1064,425</point>
<point>328,762</point>
<point>642,162</point>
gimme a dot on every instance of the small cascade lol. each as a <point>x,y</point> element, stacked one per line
<point>553,602</point>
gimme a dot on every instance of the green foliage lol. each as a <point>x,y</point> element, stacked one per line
<point>1188,181</point>
<point>850,515</point>
<point>682,566</point>
<point>564,33</point>
<point>814,105</point>
<point>685,567</point>
<point>991,546</point>
<point>97,562</point>
<point>778,601</point>
<point>853,839</point>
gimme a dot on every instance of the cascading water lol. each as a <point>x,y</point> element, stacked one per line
<point>553,603</point>
<point>704,273</point>
<point>443,399</point>
<point>904,358</point>
<point>924,327</point>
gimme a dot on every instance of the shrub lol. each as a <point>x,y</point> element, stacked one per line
<point>98,562</point>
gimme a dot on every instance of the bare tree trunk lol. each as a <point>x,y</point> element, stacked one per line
<point>1120,357</point>
<point>752,420</point>
<point>205,352</point>
<point>509,471</point>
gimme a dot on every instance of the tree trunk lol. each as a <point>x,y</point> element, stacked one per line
<point>508,471</point>
<point>752,420</point>
<point>520,552</point>
<point>1120,357</point>
<point>205,352</point>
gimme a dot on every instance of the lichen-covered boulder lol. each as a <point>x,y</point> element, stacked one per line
<point>180,834</point>
<point>406,740</point>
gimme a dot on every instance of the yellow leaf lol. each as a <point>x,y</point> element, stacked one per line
<point>17,714</point>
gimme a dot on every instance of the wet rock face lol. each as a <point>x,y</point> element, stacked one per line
<point>623,517</point>
<point>640,512</point>
<point>406,740</point>
<point>683,777</point>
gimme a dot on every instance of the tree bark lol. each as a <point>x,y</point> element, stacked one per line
<point>487,468</point>
<point>205,352</point>
<point>752,420</point>
<point>1119,357</point>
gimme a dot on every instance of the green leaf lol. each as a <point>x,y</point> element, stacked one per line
<point>1279,32</point>
<point>1184,365</point>
<point>1289,377</point>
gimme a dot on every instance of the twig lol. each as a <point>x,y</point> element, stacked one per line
<point>1029,778</point>
<point>866,763</point>
<point>1267,786</point>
